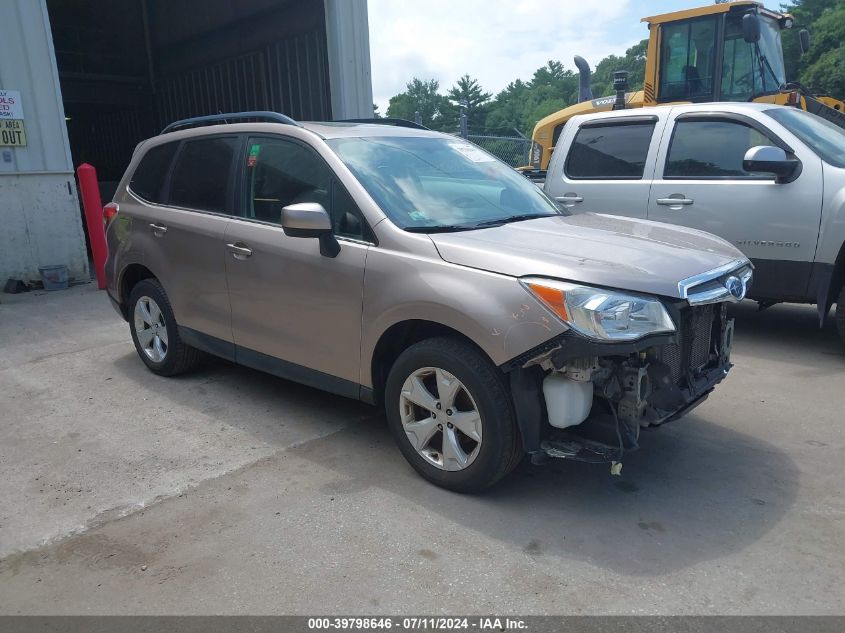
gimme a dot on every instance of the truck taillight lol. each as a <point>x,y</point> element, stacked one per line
<point>794,98</point>
<point>109,211</point>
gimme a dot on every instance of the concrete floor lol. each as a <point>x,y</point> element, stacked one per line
<point>229,491</point>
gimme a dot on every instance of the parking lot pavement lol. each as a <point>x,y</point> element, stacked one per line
<point>229,491</point>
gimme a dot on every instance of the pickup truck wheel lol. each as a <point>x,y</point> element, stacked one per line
<point>449,411</point>
<point>154,331</point>
<point>840,314</point>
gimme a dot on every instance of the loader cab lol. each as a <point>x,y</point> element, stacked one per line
<point>726,52</point>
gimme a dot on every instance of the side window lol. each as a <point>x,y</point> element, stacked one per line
<point>712,149</point>
<point>611,152</point>
<point>282,172</point>
<point>148,180</point>
<point>202,173</point>
<point>687,59</point>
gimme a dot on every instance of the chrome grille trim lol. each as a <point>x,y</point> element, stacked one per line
<point>708,287</point>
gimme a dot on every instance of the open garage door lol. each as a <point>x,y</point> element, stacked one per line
<point>129,67</point>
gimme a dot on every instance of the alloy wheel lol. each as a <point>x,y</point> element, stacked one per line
<point>150,329</point>
<point>440,418</point>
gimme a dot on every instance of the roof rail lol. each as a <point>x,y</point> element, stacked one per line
<point>230,117</point>
<point>385,121</point>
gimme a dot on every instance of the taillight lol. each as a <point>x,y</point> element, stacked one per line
<point>109,211</point>
<point>793,99</point>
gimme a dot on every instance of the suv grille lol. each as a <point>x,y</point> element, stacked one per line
<point>693,352</point>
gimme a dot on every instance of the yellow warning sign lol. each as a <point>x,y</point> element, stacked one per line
<point>12,133</point>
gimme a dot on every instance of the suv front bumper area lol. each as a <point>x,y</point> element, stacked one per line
<point>635,385</point>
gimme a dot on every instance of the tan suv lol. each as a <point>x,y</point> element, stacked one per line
<point>409,268</point>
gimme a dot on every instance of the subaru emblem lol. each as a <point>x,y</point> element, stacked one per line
<point>736,287</point>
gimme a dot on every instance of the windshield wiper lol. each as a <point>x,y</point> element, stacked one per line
<point>513,218</point>
<point>441,228</point>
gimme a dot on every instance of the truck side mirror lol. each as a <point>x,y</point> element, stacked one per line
<point>771,160</point>
<point>804,40</point>
<point>751,28</point>
<point>310,219</point>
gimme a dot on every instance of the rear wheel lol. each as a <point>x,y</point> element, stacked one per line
<point>840,314</point>
<point>449,411</point>
<point>155,333</point>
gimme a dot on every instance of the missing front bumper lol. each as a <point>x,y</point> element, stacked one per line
<point>643,384</point>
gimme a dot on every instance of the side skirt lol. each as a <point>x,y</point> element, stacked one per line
<point>273,365</point>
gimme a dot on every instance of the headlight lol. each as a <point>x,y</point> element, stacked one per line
<point>601,314</point>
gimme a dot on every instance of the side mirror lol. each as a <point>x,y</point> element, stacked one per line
<point>310,219</point>
<point>751,28</point>
<point>804,40</point>
<point>771,160</point>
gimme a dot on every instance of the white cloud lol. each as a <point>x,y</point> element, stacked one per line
<point>495,41</point>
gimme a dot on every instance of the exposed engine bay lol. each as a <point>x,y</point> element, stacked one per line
<point>592,398</point>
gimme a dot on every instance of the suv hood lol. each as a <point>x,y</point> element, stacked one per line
<point>595,249</point>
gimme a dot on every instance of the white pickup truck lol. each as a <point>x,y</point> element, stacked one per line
<point>769,179</point>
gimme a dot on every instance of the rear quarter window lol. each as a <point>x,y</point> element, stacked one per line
<point>151,173</point>
<point>610,152</point>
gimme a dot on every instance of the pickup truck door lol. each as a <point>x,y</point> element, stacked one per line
<point>605,164</point>
<point>699,182</point>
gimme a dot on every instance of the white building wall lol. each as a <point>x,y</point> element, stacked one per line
<point>348,43</point>
<point>39,209</point>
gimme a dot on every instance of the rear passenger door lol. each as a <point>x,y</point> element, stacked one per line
<point>182,232</point>
<point>700,183</point>
<point>295,312</point>
<point>605,165</point>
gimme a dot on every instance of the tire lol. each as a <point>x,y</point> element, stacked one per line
<point>482,396</point>
<point>840,314</point>
<point>177,357</point>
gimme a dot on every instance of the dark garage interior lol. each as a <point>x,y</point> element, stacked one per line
<point>129,67</point>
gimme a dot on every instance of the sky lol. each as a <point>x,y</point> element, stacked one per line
<point>497,41</point>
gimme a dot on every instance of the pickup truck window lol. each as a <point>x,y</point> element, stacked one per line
<point>712,149</point>
<point>825,138</point>
<point>610,152</point>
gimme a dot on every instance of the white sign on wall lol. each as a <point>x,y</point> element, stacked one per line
<point>11,106</point>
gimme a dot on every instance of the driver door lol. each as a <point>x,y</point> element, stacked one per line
<point>700,183</point>
<point>296,313</point>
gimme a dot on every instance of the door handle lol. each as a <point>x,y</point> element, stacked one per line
<point>239,250</point>
<point>158,229</point>
<point>570,198</point>
<point>675,202</point>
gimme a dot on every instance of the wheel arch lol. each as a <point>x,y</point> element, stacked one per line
<point>837,278</point>
<point>129,278</point>
<point>399,337</point>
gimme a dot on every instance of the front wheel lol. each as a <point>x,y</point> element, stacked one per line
<point>449,411</point>
<point>840,314</point>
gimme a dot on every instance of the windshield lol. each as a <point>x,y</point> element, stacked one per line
<point>825,138</point>
<point>430,183</point>
<point>749,70</point>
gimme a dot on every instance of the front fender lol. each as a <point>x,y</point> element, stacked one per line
<point>492,310</point>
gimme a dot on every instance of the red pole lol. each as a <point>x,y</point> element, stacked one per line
<point>89,188</point>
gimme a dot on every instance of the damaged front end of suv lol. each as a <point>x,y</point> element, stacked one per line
<point>628,361</point>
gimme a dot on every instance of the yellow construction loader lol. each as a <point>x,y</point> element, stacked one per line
<point>728,51</point>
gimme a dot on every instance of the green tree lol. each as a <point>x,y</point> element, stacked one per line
<point>467,96</point>
<point>822,68</point>
<point>419,96</point>
<point>633,61</point>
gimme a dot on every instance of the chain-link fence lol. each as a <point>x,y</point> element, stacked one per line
<point>511,149</point>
